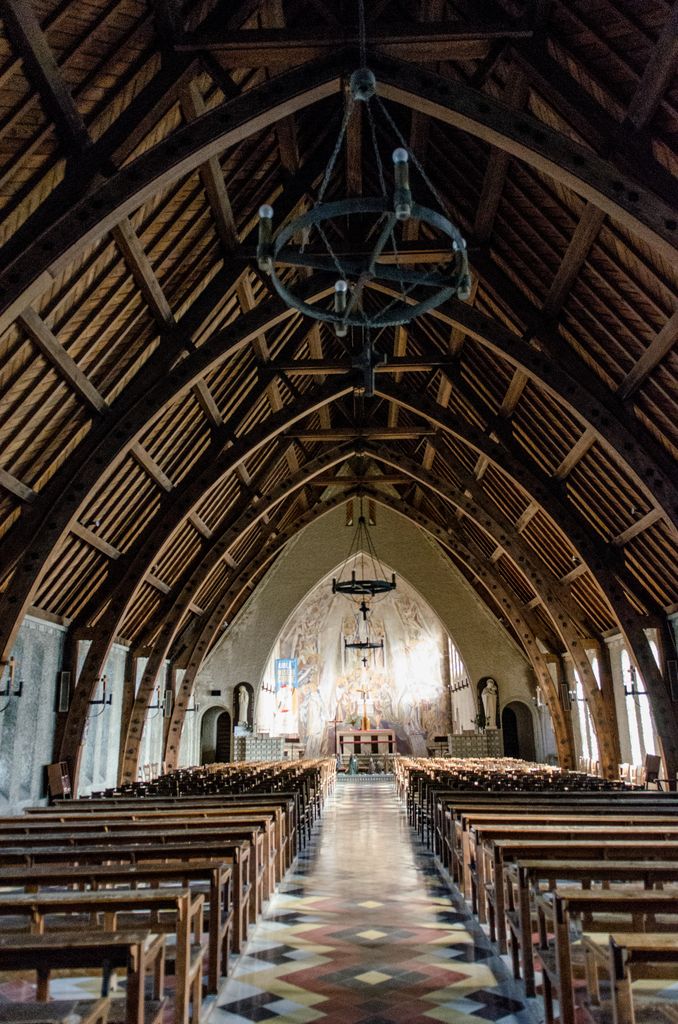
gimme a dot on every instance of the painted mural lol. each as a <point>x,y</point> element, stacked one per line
<point>402,686</point>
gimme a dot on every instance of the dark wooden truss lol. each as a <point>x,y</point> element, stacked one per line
<point>166,424</point>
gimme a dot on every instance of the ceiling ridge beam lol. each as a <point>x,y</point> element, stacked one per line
<point>65,366</point>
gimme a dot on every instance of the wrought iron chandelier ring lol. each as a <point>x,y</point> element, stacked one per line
<point>274,253</point>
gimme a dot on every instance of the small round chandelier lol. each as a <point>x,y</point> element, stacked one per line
<point>406,285</point>
<point>367,578</point>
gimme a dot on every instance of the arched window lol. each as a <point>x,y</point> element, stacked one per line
<point>589,740</point>
<point>638,709</point>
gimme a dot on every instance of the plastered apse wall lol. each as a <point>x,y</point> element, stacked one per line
<point>246,646</point>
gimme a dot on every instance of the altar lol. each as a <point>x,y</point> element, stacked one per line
<point>366,741</point>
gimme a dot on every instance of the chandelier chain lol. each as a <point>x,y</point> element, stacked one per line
<point>434,191</point>
<point>362,34</point>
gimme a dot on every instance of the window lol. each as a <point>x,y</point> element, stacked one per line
<point>638,711</point>
<point>589,740</point>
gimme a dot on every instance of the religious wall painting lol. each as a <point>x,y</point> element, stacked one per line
<point>400,686</point>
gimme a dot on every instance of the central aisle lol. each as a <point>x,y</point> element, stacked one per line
<point>364,930</point>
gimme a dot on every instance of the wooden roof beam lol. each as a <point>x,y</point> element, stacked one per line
<point>15,487</point>
<point>205,400</point>
<point>157,583</point>
<point>574,573</point>
<point>659,71</point>
<point>151,467</point>
<point>200,525</point>
<point>513,393</point>
<point>211,176</point>
<point>515,95</point>
<point>94,541</point>
<point>276,47</point>
<point>141,270</point>
<point>658,348</point>
<point>644,523</point>
<point>315,348</point>
<point>273,17</point>
<point>528,514</point>
<point>481,467</point>
<point>584,236</point>
<point>496,555</point>
<point>575,454</point>
<point>65,365</point>
<point>41,67</point>
<point>357,481</point>
<point>373,433</point>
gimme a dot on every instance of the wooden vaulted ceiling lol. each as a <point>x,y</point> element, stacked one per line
<point>166,424</point>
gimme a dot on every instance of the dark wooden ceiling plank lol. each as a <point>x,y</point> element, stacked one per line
<point>65,365</point>
<point>272,17</point>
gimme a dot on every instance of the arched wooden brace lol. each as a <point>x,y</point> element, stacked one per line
<point>213,553</point>
<point>41,529</point>
<point>131,568</point>
<point>449,101</point>
<point>490,577</point>
<point>528,562</point>
<point>570,381</point>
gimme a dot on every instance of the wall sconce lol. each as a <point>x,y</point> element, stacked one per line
<point>462,684</point>
<point>104,701</point>
<point>632,690</point>
<point>538,699</point>
<point>572,694</point>
<point>11,688</point>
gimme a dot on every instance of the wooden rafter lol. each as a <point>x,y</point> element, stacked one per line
<point>658,73</point>
<point>65,365</point>
<point>658,348</point>
<point>140,267</point>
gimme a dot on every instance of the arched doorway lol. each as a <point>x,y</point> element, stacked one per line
<point>518,731</point>
<point>215,736</point>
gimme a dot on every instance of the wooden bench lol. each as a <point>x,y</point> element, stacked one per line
<point>186,922</point>
<point>138,952</point>
<point>629,957</point>
<point>525,878</point>
<point>555,909</point>
<point>212,878</point>
<point>56,1011</point>
<point>257,830</point>
<point>236,854</point>
<point>483,837</point>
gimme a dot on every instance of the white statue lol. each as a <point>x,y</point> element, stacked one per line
<point>489,697</point>
<point>243,705</point>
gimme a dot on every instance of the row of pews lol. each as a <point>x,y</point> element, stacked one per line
<point>160,881</point>
<point>574,877</point>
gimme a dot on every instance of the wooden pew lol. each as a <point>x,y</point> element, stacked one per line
<point>212,876</point>
<point>237,854</point>
<point>139,952</point>
<point>257,830</point>
<point>57,1011</point>
<point>483,837</point>
<point>186,922</point>
<point>631,956</point>
<point>555,909</point>
<point>526,878</point>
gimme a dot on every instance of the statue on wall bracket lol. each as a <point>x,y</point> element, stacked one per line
<point>488,700</point>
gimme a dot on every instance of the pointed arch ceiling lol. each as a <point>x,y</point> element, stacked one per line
<point>165,422</point>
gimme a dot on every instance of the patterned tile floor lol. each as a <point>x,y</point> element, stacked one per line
<point>364,931</point>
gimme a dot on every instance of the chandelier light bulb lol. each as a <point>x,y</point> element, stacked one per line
<point>402,200</point>
<point>265,241</point>
<point>340,303</point>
